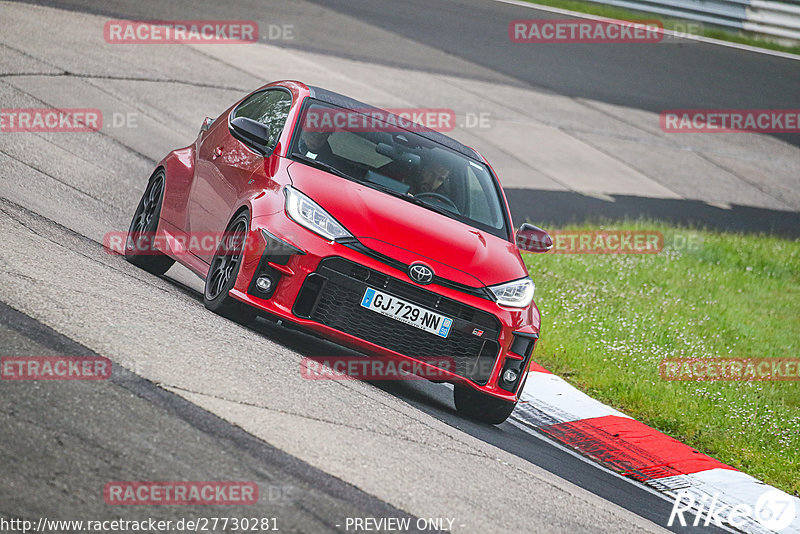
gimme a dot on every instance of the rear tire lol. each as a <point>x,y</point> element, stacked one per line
<point>224,269</point>
<point>476,405</point>
<point>139,249</point>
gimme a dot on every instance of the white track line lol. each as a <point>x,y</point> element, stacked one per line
<point>708,40</point>
<point>530,429</point>
<point>556,401</point>
<point>559,400</point>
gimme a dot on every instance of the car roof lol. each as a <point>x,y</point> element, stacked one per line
<point>330,97</point>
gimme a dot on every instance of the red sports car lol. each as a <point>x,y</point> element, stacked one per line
<point>357,225</point>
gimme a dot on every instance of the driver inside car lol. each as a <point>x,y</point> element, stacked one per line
<point>431,177</point>
<point>315,145</point>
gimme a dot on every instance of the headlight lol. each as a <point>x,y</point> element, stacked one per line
<point>517,294</point>
<point>308,213</point>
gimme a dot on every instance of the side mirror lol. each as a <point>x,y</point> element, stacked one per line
<point>533,239</point>
<point>252,133</point>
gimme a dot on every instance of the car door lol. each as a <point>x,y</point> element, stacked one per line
<point>226,168</point>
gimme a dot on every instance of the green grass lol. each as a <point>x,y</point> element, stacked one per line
<point>669,23</point>
<point>608,320</point>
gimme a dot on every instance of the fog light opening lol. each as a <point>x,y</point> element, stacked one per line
<point>510,376</point>
<point>264,283</point>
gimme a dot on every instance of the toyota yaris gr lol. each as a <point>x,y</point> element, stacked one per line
<point>357,225</point>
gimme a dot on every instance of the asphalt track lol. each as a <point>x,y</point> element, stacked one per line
<point>69,439</point>
<point>467,38</point>
<point>450,29</point>
<point>678,74</point>
<point>62,439</point>
<point>143,417</point>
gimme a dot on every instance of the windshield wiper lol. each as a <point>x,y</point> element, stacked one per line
<point>407,197</point>
<point>437,209</point>
<point>321,165</point>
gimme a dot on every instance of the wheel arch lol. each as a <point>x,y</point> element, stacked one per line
<point>178,168</point>
<point>238,211</point>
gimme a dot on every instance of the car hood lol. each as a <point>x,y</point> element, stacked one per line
<point>407,232</point>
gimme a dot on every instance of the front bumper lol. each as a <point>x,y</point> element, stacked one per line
<point>318,285</point>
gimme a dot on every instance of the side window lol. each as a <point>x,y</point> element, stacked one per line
<point>270,107</point>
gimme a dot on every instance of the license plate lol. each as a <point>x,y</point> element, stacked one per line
<point>406,312</point>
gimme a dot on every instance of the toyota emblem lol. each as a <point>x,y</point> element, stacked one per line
<point>420,273</point>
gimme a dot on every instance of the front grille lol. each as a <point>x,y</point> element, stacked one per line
<point>332,296</point>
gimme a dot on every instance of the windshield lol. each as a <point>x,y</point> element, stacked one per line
<point>358,145</point>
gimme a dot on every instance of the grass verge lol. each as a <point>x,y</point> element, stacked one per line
<point>679,25</point>
<point>608,320</point>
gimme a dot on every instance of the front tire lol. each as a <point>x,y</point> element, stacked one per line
<point>224,269</point>
<point>139,249</point>
<point>476,405</point>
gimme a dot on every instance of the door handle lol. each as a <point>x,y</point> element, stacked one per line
<point>217,152</point>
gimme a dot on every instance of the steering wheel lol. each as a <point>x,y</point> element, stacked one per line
<point>441,198</point>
